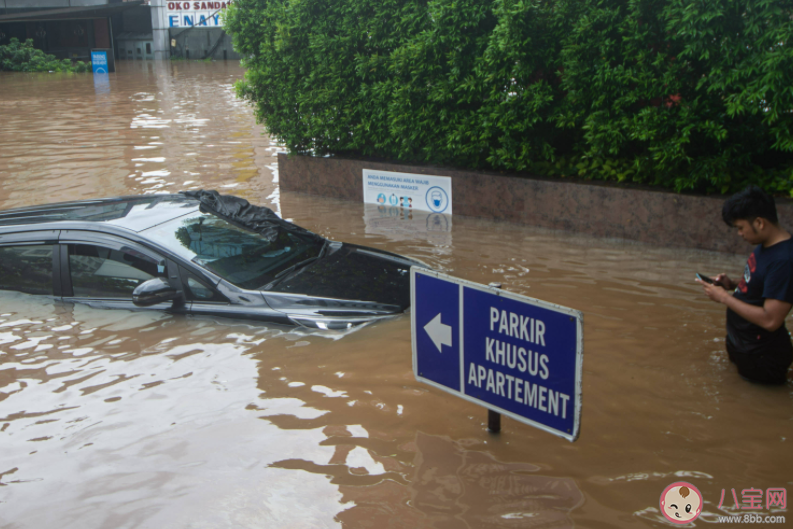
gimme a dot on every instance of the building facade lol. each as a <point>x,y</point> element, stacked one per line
<point>129,29</point>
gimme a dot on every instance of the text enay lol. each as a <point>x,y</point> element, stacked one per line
<point>202,14</point>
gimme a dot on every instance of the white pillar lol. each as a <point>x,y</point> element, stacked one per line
<point>159,30</point>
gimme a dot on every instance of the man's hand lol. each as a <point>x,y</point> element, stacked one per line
<point>715,292</point>
<point>770,316</point>
<point>728,283</point>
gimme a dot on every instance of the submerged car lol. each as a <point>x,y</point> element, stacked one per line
<point>198,252</point>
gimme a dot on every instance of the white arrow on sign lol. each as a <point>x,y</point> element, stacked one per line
<point>439,333</point>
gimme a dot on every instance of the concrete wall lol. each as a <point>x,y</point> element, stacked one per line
<point>656,217</point>
<point>196,42</point>
<point>135,20</point>
<point>159,26</point>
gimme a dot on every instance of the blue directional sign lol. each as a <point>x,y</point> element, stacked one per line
<point>512,354</point>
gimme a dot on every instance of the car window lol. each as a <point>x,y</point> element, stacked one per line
<point>199,290</point>
<point>99,272</point>
<point>26,269</point>
<point>242,257</point>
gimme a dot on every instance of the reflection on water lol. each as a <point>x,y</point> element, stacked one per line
<point>447,475</point>
<point>398,223</point>
<point>115,421</point>
<point>102,83</point>
<point>138,419</point>
<point>448,485</point>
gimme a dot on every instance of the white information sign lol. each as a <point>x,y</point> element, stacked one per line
<point>406,190</point>
<point>202,14</point>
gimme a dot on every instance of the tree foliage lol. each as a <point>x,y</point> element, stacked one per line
<point>23,57</point>
<point>683,94</point>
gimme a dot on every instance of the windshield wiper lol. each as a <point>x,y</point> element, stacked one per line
<point>295,266</point>
<point>277,277</point>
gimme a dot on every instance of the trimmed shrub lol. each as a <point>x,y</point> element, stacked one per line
<point>687,95</point>
<point>23,57</point>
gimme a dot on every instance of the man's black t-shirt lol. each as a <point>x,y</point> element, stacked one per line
<point>768,275</point>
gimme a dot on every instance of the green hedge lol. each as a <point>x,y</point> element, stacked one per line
<point>23,57</point>
<point>683,94</point>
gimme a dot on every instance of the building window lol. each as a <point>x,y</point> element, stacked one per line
<point>148,48</point>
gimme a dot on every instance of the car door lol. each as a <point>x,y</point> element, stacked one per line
<point>103,270</point>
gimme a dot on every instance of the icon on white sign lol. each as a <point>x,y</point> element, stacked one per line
<point>437,199</point>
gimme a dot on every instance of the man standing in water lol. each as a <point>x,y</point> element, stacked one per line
<point>757,340</point>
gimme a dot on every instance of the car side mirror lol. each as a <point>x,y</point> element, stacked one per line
<point>154,291</point>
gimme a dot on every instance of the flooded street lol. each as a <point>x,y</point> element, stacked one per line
<point>115,419</point>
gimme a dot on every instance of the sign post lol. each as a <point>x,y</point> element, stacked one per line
<point>494,418</point>
<point>515,355</point>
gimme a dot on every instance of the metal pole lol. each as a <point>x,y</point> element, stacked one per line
<point>494,418</point>
<point>112,58</point>
<point>493,421</point>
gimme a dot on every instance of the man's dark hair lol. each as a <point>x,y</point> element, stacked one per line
<point>749,204</point>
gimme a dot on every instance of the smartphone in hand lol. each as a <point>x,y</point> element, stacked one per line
<point>706,279</point>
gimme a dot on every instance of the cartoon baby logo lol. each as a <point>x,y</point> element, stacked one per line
<point>681,502</point>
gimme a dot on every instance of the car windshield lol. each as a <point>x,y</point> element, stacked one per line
<point>239,256</point>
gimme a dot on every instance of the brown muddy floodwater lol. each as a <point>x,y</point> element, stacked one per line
<point>113,419</point>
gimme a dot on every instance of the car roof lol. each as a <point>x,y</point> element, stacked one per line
<point>135,213</point>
